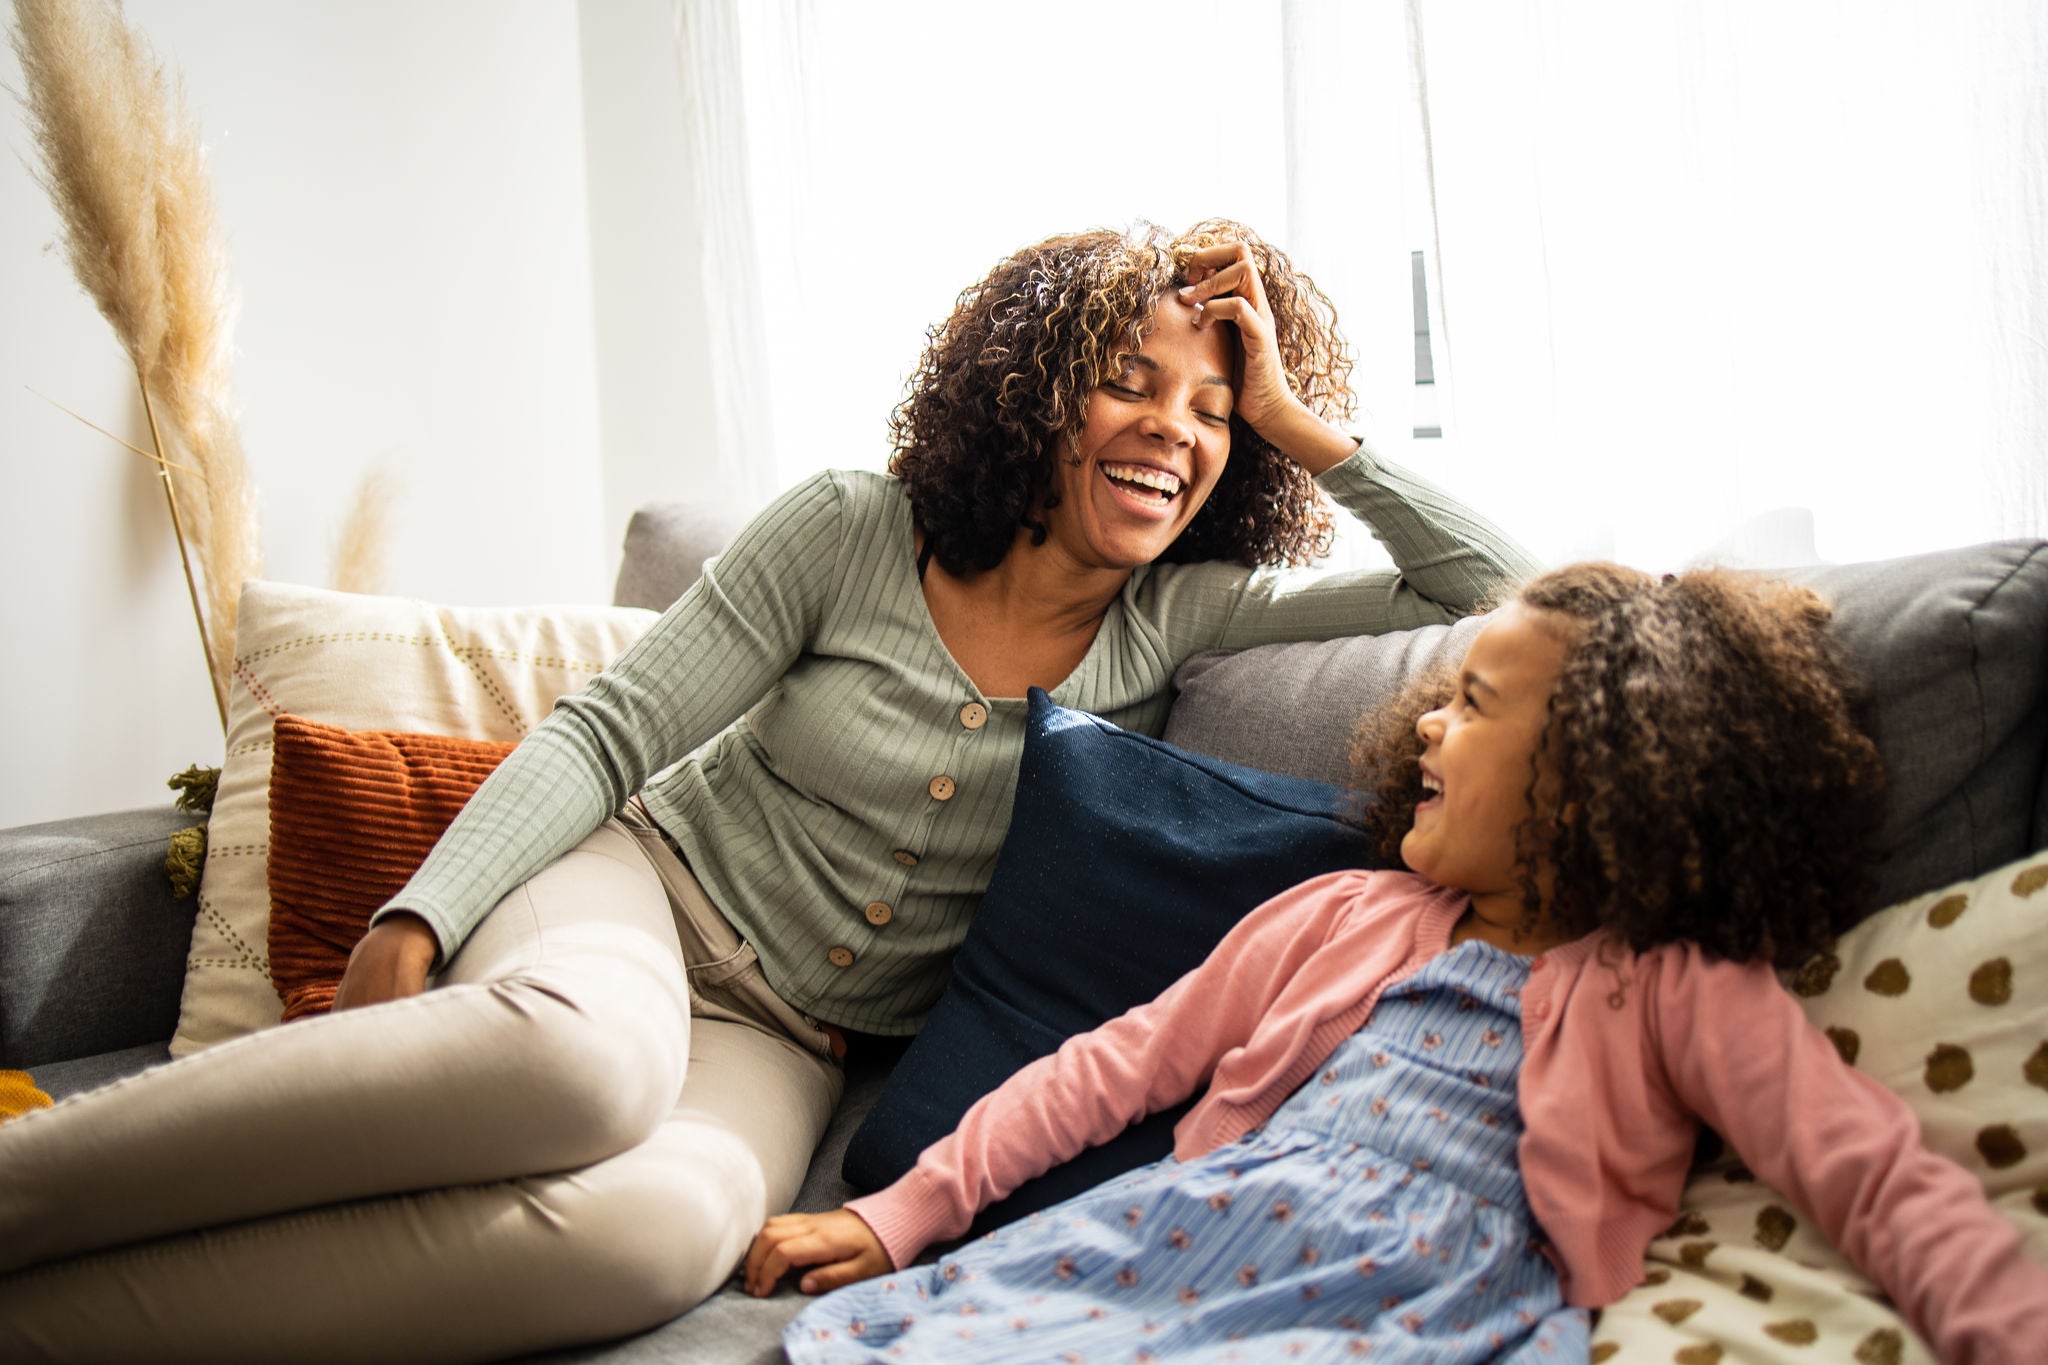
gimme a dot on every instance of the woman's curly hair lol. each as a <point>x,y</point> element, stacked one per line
<point>1003,388</point>
<point>1705,747</point>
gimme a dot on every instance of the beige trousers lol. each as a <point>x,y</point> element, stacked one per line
<point>573,1136</point>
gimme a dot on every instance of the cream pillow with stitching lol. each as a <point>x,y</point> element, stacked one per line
<point>1944,999</point>
<point>364,663</point>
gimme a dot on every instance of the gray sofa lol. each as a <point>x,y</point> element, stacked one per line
<point>1954,646</point>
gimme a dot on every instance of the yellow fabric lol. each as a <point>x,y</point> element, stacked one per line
<point>18,1095</point>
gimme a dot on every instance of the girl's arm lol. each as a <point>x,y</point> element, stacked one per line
<point>1847,1152</point>
<point>1091,1089</point>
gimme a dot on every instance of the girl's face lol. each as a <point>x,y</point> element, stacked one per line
<point>1152,444</point>
<point>1480,758</point>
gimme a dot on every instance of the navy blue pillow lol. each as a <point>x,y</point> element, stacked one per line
<point>1127,860</point>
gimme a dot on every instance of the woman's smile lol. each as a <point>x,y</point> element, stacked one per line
<point>1151,447</point>
<point>1149,489</point>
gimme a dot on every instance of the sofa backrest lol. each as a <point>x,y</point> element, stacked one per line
<point>666,546</point>
<point>1953,647</point>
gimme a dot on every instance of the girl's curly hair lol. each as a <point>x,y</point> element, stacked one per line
<point>1706,749</point>
<point>1004,382</point>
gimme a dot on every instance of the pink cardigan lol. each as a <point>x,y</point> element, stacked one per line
<point>1622,1051</point>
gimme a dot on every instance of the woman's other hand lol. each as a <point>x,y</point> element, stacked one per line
<point>1224,284</point>
<point>389,963</point>
<point>840,1242</point>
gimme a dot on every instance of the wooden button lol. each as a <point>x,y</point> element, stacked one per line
<point>974,715</point>
<point>942,788</point>
<point>879,913</point>
<point>905,856</point>
<point>840,957</point>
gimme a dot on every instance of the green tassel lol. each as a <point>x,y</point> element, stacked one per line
<point>195,787</point>
<point>186,860</point>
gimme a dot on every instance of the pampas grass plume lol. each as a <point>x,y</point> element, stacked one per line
<point>96,103</point>
<point>359,560</point>
<point>123,164</point>
<point>230,549</point>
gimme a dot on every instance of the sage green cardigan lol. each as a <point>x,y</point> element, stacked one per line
<point>838,785</point>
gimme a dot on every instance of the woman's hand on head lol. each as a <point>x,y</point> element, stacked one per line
<point>840,1243</point>
<point>1224,283</point>
<point>389,963</point>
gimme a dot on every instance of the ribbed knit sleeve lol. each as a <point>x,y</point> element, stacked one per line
<point>713,654</point>
<point>1448,562</point>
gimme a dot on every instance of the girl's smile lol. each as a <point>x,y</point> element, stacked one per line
<point>1480,767</point>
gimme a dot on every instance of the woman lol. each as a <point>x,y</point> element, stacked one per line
<point>765,828</point>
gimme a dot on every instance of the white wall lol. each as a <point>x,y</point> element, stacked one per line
<point>656,403</point>
<point>404,187</point>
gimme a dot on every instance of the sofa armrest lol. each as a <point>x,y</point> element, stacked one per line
<point>92,945</point>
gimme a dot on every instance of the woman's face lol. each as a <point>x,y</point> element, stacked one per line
<point>1480,758</point>
<point>1152,445</point>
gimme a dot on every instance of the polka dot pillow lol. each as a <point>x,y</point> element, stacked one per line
<point>1944,999</point>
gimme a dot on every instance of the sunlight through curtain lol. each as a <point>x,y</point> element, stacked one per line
<point>1761,279</point>
<point>1738,273</point>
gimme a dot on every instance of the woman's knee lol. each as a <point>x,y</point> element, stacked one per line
<point>658,1229</point>
<point>613,1078</point>
<point>590,1007</point>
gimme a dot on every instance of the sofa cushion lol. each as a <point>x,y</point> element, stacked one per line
<point>364,663</point>
<point>80,1074</point>
<point>92,941</point>
<point>1953,647</point>
<point>1127,860</point>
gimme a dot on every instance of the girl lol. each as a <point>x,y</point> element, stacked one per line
<point>1448,1107</point>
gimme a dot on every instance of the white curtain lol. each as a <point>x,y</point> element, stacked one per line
<point>1745,271</point>
<point>1757,278</point>
<point>866,163</point>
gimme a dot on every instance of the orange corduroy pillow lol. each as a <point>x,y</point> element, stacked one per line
<point>353,813</point>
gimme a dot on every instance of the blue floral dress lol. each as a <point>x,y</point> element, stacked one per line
<point>1378,1214</point>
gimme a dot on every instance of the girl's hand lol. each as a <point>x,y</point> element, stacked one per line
<point>389,963</point>
<point>839,1241</point>
<point>1224,283</point>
